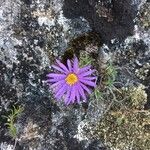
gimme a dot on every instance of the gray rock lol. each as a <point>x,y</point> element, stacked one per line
<point>32,35</point>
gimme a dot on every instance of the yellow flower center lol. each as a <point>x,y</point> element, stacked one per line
<point>71,79</point>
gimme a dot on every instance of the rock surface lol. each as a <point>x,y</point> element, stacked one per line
<point>33,33</point>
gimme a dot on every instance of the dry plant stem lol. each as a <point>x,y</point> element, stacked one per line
<point>14,147</point>
<point>118,83</point>
<point>120,68</point>
<point>108,107</point>
<point>95,105</point>
<point>113,100</point>
<point>114,96</point>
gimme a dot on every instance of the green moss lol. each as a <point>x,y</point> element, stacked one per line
<point>125,130</point>
<point>11,118</point>
<point>110,75</point>
<point>126,126</point>
<point>105,92</point>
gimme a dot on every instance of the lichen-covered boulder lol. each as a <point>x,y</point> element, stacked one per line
<point>33,33</point>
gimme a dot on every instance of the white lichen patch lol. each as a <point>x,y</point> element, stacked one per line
<point>43,20</point>
<point>50,16</point>
<point>138,96</point>
<point>8,14</point>
<point>140,34</point>
<point>6,146</point>
<point>142,73</point>
<point>85,131</point>
<point>80,132</point>
<point>44,17</point>
<point>63,21</point>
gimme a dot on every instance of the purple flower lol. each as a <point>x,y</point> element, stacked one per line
<point>71,82</point>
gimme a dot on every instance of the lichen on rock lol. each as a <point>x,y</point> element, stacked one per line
<point>127,127</point>
<point>112,36</point>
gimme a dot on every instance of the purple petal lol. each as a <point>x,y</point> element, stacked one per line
<point>72,95</point>
<point>61,82</point>
<point>75,65</point>
<point>75,92</point>
<point>77,96</point>
<point>87,73</point>
<point>81,92</point>
<point>87,82</point>
<point>62,66</point>
<point>69,65</point>
<point>67,95</point>
<point>61,91</point>
<point>54,80</point>
<point>58,68</point>
<point>85,88</point>
<point>55,75</point>
<point>84,69</point>
<point>68,100</point>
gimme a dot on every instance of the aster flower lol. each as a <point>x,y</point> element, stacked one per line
<point>71,82</point>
